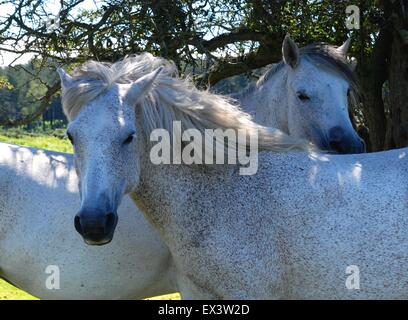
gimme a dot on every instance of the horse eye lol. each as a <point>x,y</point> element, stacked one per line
<point>302,96</point>
<point>70,137</point>
<point>129,139</point>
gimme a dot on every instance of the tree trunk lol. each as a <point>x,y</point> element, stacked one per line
<point>375,74</point>
<point>398,78</point>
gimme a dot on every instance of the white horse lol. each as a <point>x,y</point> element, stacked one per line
<point>147,254</point>
<point>39,191</point>
<point>306,95</point>
<point>293,230</point>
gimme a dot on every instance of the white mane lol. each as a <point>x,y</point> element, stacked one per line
<point>170,99</point>
<point>320,54</point>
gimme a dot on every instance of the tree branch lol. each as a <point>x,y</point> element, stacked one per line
<point>264,55</point>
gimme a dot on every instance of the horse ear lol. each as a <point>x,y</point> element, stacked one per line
<point>66,79</point>
<point>290,52</point>
<point>142,85</point>
<point>343,49</point>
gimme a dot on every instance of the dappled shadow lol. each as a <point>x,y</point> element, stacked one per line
<point>45,167</point>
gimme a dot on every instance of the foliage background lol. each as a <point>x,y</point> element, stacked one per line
<point>213,40</point>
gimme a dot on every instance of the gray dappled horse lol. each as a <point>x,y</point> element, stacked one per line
<point>307,95</point>
<point>289,231</point>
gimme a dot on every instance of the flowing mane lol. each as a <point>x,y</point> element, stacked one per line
<point>321,54</point>
<point>170,99</point>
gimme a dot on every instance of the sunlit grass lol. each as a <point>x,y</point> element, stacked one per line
<point>7,291</point>
<point>172,296</point>
<point>38,141</point>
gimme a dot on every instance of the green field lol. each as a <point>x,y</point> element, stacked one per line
<point>50,142</point>
<point>8,292</point>
<point>57,143</point>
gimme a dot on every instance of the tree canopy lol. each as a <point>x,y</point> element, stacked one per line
<point>210,39</point>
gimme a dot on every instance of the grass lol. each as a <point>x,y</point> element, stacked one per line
<point>8,292</point>
<point>56,142</point>
<point>50,142</point>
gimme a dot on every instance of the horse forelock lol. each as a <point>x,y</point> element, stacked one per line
<point>330,57</point>
<point>92,78</point>
<point>170,99</point>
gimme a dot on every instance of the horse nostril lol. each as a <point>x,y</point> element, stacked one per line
<point>336,134</point>
<point>110,221</point>
<point>335,145</point>
<point>77,224</point>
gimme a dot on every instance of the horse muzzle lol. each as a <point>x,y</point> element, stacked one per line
<point>96,228</point>
<point>342,143</point>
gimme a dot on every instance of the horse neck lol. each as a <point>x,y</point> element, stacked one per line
<point>267,102</point>
<point>157,186</point>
